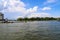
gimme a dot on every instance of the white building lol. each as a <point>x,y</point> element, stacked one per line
<point>1,16</point>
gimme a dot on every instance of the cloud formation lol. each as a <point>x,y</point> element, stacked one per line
<point>46,8</point>
<point>20,8</point>
<point>32,10</point>
<point>1,5</point>
<point>39,15</point>
<point>50,1</point>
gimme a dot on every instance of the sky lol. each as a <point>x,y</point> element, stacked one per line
<point>13,9</point>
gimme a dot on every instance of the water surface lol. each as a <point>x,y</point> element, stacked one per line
<point>36,30</point>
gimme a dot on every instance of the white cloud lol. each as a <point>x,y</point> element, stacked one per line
<point>39,15</point>
<point>32,10</point>
<point>50,1</point>
<point>17,6</point>
<point>5,4</point>
<point>14,6</point>
<point>1,5</point>
<point>46,8</point>
<point>13,3</point>
<point>19,17</point>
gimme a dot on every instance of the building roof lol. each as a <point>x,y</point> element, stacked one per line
<point>1,13</point>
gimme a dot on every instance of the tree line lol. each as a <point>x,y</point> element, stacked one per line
<point>37,19</point>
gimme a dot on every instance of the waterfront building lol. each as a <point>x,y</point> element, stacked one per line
<point>1,16</point>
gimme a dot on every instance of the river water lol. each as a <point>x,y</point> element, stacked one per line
<point>36,30</point>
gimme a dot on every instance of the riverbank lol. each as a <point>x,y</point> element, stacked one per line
<point>38,19</point>
<point>30,21</point>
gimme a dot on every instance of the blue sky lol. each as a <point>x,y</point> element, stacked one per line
<point>13,9</point>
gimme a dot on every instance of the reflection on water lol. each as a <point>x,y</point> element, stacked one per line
<point>37,30</point>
